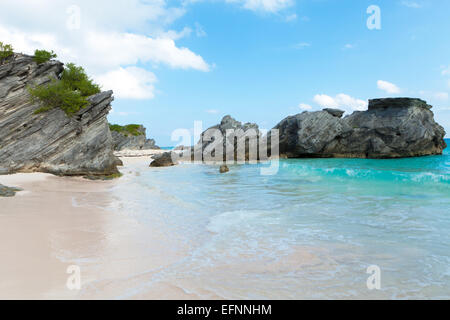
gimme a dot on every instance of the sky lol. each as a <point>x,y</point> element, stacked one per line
<point>171,63</point>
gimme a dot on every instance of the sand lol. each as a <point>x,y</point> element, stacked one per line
<point>31,223</point>
<point>57,222</point>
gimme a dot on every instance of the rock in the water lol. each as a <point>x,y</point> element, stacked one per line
<point>224,169</point>
<point>7,191</point>
<point>127,141</point>
<point>164,160</point>
<point>391,128</point>
<point>232,134</point>
<point>50,142</point>
<point>335,112</point>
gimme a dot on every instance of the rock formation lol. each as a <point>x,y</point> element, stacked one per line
<point>7,191</point>
<point>126,141</point>
<point>165,159</point>
<point>232,134</point>
<point>390,128</point>
<point>52,141</point>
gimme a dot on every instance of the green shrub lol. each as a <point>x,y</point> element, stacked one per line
<point>70,93</point>
<point>55,95</point>
<point>41,56</point>
<point>76,78</point>
<point>6,50</point>
<point>130,129</point>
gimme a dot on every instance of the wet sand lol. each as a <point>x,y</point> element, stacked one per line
<point>57,222</point>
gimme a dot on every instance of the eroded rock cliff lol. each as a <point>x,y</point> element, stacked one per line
<point>51,141</point>
<point>390,128</point>
<point>232,138</point>
<point>127,141</point>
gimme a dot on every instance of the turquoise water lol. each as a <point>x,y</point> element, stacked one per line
<point>310,231</point>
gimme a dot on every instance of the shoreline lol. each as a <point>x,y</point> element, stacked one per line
<point>124,252</point>
<point>32,224</point>
<point>56,222</point>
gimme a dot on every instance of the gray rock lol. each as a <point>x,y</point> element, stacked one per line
<point>224,169</point>
<point>232,131</point>
<point>7,191</point>
<point>391,128</point>
<point>397,103</point>
<point>182,148</point>
<point>335,112</point>
<point>123,141</point>
<point>50,142</point>
<point>164,160</point>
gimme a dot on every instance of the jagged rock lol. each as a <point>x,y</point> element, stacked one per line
<point>50,142</point>
<point>182,148</point>
<point>224,169</point>
<point>7,191</point>
<point>391,128</point>
<point>335,112</point>
<point>164,160</point>
<point>231,132</point>
<point>125,141</point>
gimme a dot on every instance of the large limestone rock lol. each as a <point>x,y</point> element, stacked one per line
<point>234,144</point>
<point>391,128</point>
<point>124,141</point>
<point>50,142</point>
<point>166,159</point>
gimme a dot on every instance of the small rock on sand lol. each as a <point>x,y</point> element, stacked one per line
<point>7,191</point>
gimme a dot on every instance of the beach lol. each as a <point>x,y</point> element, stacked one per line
<point>57,222</point>
<point>187,232</point>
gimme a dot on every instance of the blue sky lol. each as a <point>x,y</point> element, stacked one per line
<point>258,60</point>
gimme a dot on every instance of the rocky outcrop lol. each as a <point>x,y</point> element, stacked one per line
<point>390,128</point>
<point>52,141</point>
<point>7,191</point>
<point>182,148</point>
<point>166,159</point>
<point>226,138</point>
<point>335,112</point>
<point>126,141</point>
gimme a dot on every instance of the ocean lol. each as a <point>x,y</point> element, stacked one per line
<point>311,231</point>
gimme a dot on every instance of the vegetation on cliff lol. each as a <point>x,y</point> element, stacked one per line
<point>42,56</point>
<point>130,129</point>
<point>6,50</point>
<point>69,93</point>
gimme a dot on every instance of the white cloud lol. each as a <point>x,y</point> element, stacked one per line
<point>110,40</point>
<point>302,45</point>
<point>349,46</point>
<point>199,31</point>
<point>433,96</point>
<point>445,70</point>
<point>412,4</point>
<point>212,111</point>
<point>176,35</point>
<point>128,48</point>
<point>129,83</point>
<point>388,87</point>
<point>441,96</point>
<point>271,6</point>
<point>291,17</point>
<point>341,101</point>
<point>304,106</point>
